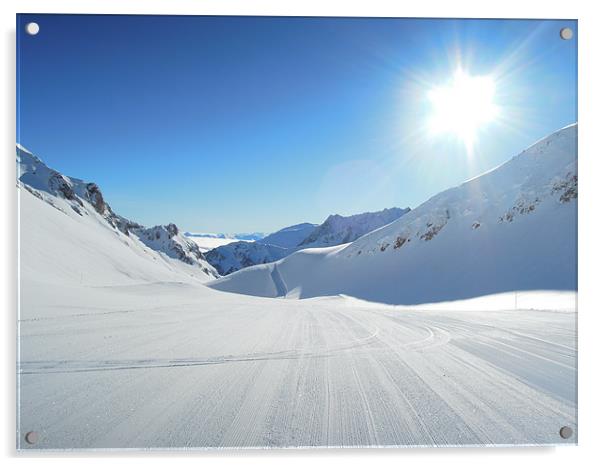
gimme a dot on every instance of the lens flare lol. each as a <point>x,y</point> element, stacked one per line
<point>463,106</point>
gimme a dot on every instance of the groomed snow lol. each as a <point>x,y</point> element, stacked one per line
<point>173,365</point>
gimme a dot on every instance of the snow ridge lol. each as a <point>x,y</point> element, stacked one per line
<point>289,237</point>
<point>86,200</point>
<point>337,229</point>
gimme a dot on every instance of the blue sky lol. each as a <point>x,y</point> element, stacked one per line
<point>251,124</point>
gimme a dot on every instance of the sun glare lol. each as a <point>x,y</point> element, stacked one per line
<point>463,106</point>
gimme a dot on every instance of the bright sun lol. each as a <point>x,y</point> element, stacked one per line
<point>463,106</point>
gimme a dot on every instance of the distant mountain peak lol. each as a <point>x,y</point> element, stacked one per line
<point>338,229</point>
<point>335,230</point>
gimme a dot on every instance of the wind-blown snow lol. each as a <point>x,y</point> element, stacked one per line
<point>513,228</point>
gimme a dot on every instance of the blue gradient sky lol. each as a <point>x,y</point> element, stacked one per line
<point>251,124</point>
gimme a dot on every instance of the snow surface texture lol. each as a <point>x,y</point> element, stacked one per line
<point>513,228</point>
<point>171,365</point>
<point>122,346</point>
<point>335,230</point>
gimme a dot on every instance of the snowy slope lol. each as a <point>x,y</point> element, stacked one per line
<point>289,237</point>
<point>512,228</point>
<point>337,229</point>
<point>80,209</point>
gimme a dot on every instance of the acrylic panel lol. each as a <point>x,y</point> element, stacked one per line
<point>276,232</point>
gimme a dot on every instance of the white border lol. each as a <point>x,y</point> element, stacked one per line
<point>590,226</point>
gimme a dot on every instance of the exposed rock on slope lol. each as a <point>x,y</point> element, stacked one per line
<point>235,256</point>
<point>337,229</point>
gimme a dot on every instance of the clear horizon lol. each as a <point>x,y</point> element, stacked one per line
<point>239,124</point>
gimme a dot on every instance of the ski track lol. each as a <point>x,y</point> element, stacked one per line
<point>283,373</point>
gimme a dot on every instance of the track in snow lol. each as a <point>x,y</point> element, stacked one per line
<point>237,371</point>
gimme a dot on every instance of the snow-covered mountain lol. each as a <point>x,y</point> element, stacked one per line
<point>335,230</point>
<point>512,228</point>
<point>207,243</point>
<point>289,237</point>
<point>82,204</point>
<point>235,256</point>
<point>167,239</point>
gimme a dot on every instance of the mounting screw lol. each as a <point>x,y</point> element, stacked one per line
<point>566,33</point>
<point>32,28</point>
<point>566,432</point>
<point>31,437</point>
